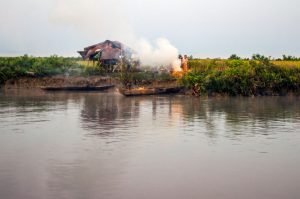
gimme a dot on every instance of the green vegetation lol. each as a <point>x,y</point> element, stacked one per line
<point>234,56</point>
<point>290,58</point>
<point>258,76</point>
<point>28,66</point>
<point>14,67</point>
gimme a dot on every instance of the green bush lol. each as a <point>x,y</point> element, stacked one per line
<point>13,67</point>
<point>240,77</point>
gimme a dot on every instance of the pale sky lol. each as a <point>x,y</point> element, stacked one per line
<point>205,28</point>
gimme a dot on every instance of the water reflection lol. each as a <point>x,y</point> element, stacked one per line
<point>104,145</point>
<point>211,116</point>
<point>107,112</point>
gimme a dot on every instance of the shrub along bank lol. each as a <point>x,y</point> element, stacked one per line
<point>14,67</point>
<point>242,77</point>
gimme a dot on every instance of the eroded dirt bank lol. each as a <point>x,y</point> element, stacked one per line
<point>58,81</point>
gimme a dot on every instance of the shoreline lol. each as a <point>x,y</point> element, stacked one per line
<point>56,81</point>
<point>33,83</point>
<point>259,76</point>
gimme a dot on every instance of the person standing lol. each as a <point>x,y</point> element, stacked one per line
<point>184,63</point>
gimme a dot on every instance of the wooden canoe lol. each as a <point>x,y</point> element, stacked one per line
<point>77,88</point>
<point>149,91</point>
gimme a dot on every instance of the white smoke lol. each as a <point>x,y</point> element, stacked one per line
<point>99,20</point>
<point>162,53</point>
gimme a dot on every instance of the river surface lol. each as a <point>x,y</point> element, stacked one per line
<point>106,146</point>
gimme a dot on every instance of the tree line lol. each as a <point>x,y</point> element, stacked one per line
<point>260,57</point>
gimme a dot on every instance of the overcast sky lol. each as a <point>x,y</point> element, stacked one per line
<point>206,28</point>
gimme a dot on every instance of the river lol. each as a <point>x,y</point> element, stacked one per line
<point>104,145</point>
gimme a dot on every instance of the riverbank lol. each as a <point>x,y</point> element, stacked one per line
<point>206,77</point>
<point>31,83</point>
<point>34,72</point>
<point>57,81</point>
<point>243,77</point>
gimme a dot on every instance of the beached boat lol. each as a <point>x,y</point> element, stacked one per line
<point>149,91</point>
<point>77,88</point>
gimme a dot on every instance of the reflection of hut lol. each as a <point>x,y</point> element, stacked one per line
<point>108,53</point>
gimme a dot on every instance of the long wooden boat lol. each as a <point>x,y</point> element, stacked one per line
<point>149,91</point>
<point>77,88</point>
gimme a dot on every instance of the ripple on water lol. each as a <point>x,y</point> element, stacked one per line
<point>103,143</point>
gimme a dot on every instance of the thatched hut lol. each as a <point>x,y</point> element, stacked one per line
<point>108,53</point>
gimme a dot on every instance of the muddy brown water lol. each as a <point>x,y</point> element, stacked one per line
<point>104,145</point>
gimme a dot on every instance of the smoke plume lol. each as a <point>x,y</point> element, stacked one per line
<point>99,20</point>
<point>162,53</point>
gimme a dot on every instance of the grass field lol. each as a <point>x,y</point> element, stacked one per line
<point>200,64</point>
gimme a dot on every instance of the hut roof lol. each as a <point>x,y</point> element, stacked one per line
<point>109,50</point>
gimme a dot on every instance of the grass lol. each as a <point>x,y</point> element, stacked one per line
<point>287,64</point>
<point>242,77</point>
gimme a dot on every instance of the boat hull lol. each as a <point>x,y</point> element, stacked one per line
<point>77,88</point>
<point>149,91</point>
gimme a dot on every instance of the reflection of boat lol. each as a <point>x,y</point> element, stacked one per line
<point>77,88</point>
<point>149,91</point>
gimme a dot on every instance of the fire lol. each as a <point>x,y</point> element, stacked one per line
<point>180,66</point>
<point>176,66</point>
<point>177,74</point>
<point>141,88</point>
<point>176,70</point>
